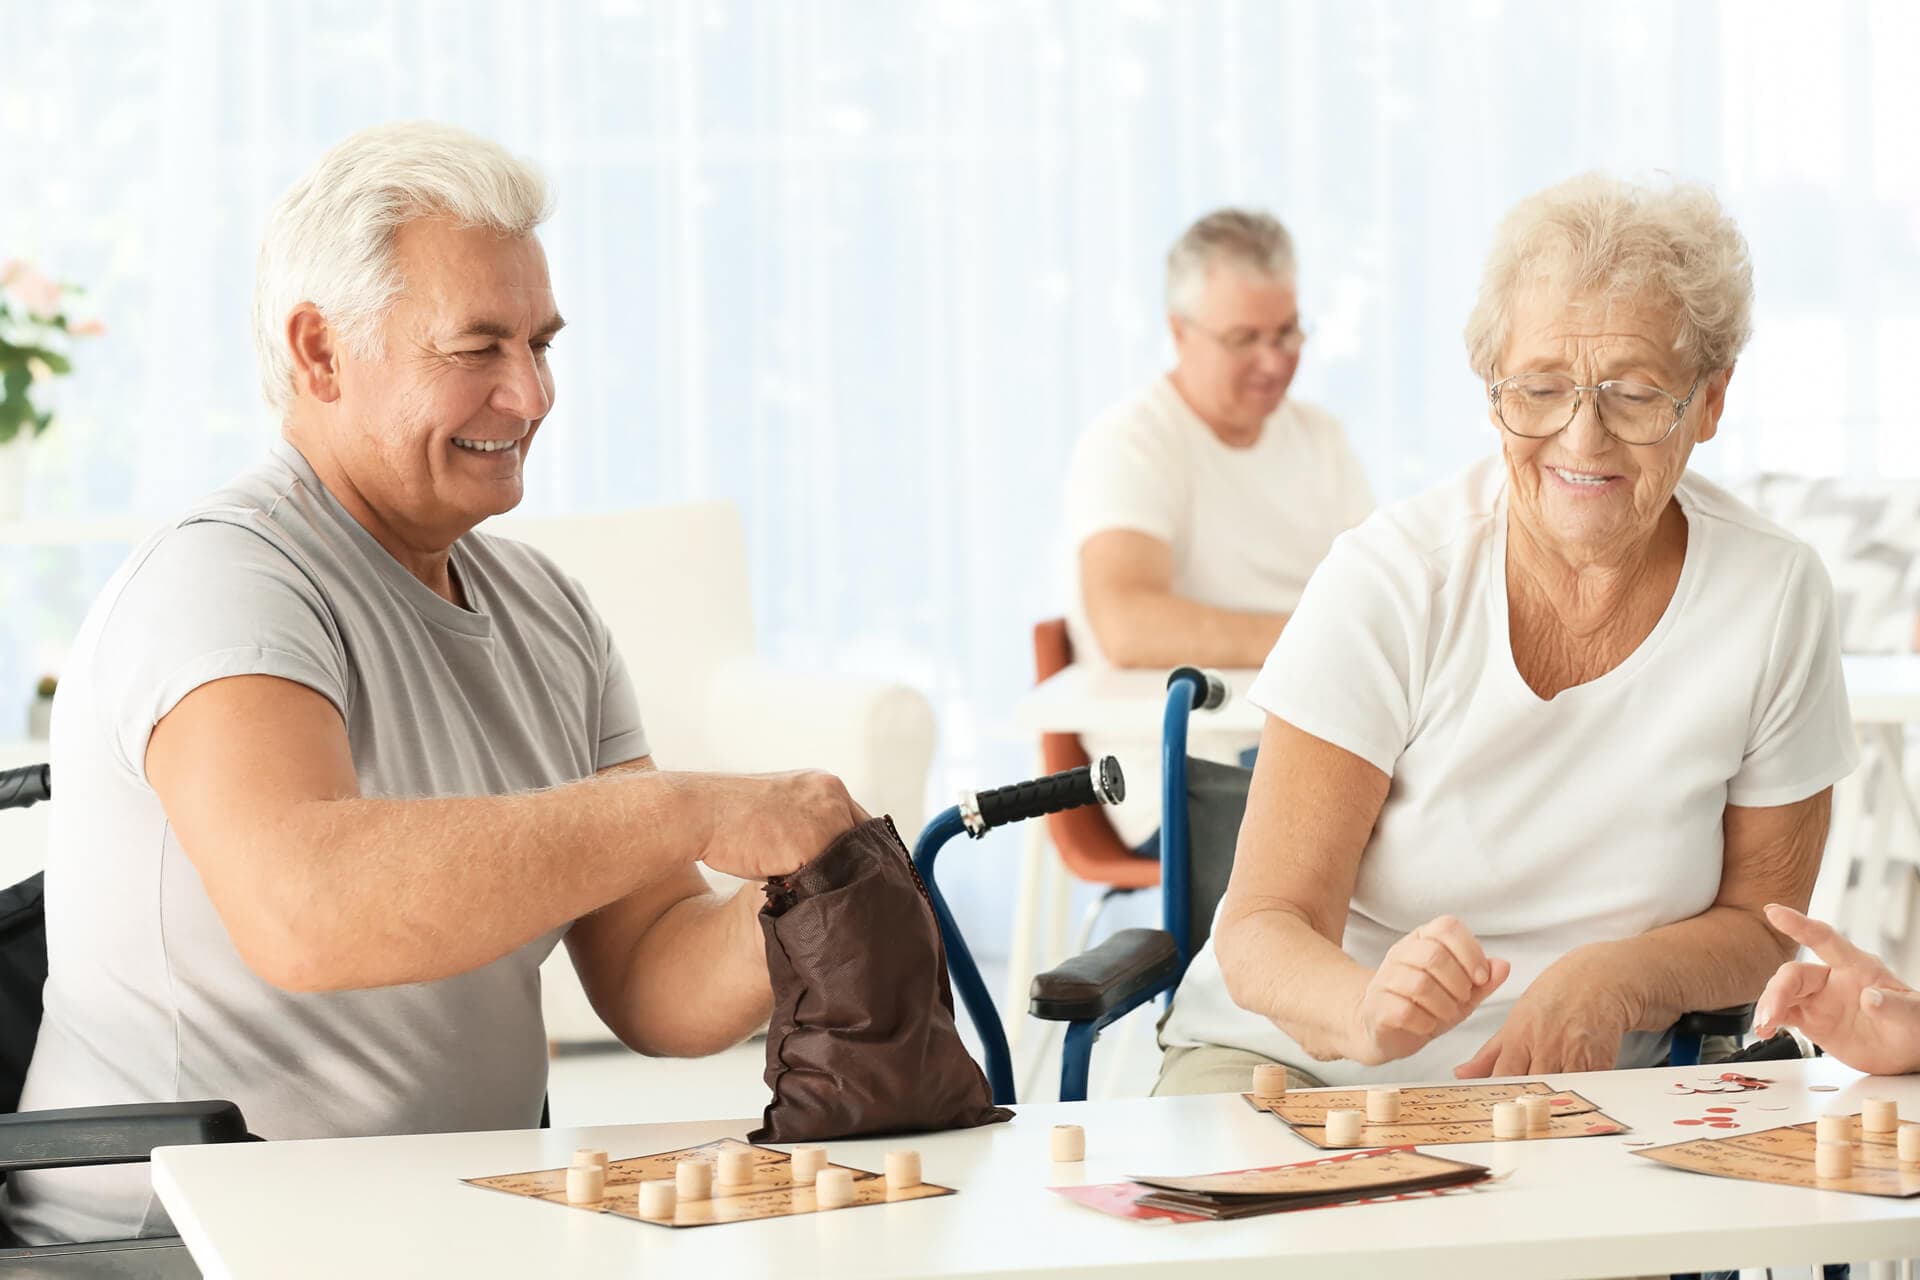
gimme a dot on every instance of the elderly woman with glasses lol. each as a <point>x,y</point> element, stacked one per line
<point>1544,741</point>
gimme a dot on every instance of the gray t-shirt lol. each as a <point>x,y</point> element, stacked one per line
<point>147,999</point>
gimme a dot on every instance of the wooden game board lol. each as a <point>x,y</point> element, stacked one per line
<point>1436,1115</point>
<point>772,1194</point>
<point>1785,1156</point>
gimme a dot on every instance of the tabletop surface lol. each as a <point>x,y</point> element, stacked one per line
<point>1566,1208</point>
<point>1084,698</point>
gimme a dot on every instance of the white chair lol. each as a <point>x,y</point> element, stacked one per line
<point>672,584</point>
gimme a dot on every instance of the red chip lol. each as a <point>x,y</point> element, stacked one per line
<point>1689,1121</point>
<point>1724,1111</point>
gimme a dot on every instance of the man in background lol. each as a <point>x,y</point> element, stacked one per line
<point>1198,507</point>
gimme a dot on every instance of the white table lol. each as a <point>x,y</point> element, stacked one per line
<point>1109,702</point>
<point>1882,689</point>
<point>371,1207</point>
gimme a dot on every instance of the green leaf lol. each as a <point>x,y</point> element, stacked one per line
<point>41,422</point>
<point>15,382</point>
<point>54,360</point>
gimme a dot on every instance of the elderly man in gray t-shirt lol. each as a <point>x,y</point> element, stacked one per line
<point>339,771</point>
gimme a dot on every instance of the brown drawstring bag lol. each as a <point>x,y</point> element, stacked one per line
<point>862,1039</point>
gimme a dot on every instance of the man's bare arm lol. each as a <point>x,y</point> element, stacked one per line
<point>676,968</point>
<point>1126,582</point>
<point>322,888</point>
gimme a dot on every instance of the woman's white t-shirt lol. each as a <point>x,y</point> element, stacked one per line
<point>1543,825</point>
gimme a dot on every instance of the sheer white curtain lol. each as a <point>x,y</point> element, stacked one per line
<point>867,267</point>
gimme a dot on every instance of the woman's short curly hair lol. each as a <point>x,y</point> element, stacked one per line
<point>1596,234</point>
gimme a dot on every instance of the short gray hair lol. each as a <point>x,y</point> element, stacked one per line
<point>1596,234</point>
<point>1249,239</point>
<point>330,239</point>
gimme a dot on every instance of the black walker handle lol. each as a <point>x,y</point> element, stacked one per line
<point>22,787</point>
<point>1097,783</point>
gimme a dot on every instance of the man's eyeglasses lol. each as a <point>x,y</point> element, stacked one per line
<point>1239,341</point>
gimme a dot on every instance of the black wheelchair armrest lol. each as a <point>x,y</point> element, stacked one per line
<point>1130,963</point>
<point>1736,1021</point>
<point>124,1134</point>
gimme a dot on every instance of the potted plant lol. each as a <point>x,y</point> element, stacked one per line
<point>36,339</point>
<point>40,712</point>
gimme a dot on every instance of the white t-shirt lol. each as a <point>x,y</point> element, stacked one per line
<point>1247,527</point>
<point>1543,825</point>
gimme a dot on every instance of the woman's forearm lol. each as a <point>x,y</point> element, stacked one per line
<point>1719,958</point>
<point>1277,965</point>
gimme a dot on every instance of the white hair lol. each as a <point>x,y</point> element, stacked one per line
<point>1597,235</point>
<point>330,239</point>
<point>1248,239</point>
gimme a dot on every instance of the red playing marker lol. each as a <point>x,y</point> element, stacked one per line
<point>1723,1124</point>
<point>1689,1121</point>
<point>1721,1111</point>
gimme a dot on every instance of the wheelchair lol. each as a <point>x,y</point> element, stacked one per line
<point>77,1136</point>
<point>1202,805</point>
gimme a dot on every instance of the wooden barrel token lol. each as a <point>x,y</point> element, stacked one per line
<point>693,1179</point>
<point>1383,1106</point>
<point>1069,1143</point>
<point>1344,1126</point>
<point>1269,1081</point>
<point>586,1184</point>
<point>833,1188</point>
<point>903,1170</point>
<point>736,1166</point>
<point>807,1162</point>
<point>659,1197</point>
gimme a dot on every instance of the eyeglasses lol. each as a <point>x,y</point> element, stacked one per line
<point>1287,339</point>
<point>1537,405</point>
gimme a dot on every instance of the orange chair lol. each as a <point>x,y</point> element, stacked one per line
<point>1089,847</point>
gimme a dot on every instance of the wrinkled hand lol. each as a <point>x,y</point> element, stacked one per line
<point>1852,1006</point>
<point>1570,1019</point>
<point>1427,983</point>
<point>775,823</point>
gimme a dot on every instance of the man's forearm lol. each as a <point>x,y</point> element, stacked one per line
<point>1160,629</point>
<point>697,982</point>
<point>374,892</point>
